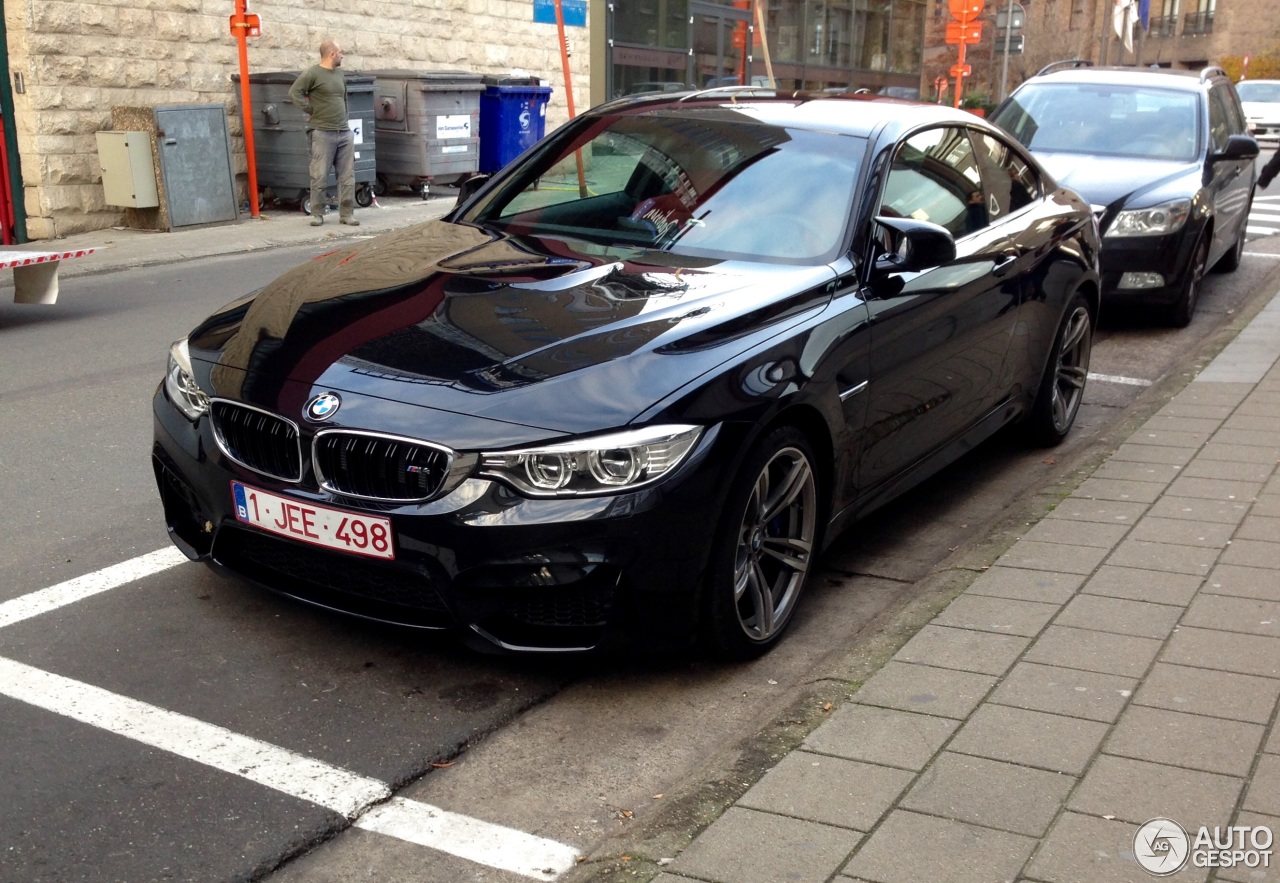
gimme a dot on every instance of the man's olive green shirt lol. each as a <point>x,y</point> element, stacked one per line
<point>323,94</point>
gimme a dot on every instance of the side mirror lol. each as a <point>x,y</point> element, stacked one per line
<point>914,245</point>
<point>1238,147</point>
<point>468,188</point>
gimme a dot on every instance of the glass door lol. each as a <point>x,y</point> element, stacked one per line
<point>720,44</point>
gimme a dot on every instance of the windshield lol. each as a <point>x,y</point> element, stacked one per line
<point>1256,90</point>
<point>1104,120</point>
<point>710,185</point>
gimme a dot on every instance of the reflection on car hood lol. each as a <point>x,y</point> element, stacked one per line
<point>1102,180</point>
<point>455,318</point>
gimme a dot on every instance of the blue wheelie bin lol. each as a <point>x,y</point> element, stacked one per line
<point>513,117</point>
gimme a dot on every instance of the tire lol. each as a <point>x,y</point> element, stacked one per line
<point>1230,262</point>
<point>1062,387</point>
<point>1184,307</point>
<point>364,196</point>
<point>765,546</point>
<point>379,186</point>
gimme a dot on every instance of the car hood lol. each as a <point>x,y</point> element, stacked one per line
<point>452,317</point>
<point>1111,181</point>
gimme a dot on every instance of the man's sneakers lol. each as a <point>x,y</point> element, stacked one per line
<point>350,222</point>
<point>316,220</point>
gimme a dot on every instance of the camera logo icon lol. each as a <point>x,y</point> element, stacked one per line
<point>1161,847</point>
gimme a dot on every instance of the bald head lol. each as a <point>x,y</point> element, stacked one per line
<point>330,54</point>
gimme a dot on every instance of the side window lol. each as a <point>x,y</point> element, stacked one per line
<point>1010,181</point>
<point>1235,113</point>
<point>1219,121</point>
<point>934,177</point>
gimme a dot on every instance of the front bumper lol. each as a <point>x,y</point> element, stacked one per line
<point>1169,256</point>
<point>502,570</point>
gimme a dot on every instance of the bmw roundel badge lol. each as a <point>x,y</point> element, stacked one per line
<point>323,406</point>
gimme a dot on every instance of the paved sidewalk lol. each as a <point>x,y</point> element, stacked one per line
<point>1120,663</point>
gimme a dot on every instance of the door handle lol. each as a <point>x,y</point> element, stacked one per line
<point>1004,262</point>
<point>170,141</point>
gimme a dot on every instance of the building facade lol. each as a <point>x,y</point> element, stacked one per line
<point>69,62</point>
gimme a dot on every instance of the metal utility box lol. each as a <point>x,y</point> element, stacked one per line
<point>282,147</point>
<point>513,117</point>
<point>195,163</point>
<point>128,169</point>
<point>428,125</point>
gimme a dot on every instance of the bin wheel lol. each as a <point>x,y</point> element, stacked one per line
<point>379,186</point>
<point>304,201</point>
<point>424,190</point>
<point>364,196</point>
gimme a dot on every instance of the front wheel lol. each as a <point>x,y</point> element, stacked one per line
<point>765,546</point>
<point>1184,307</point>
<point>1062,387</point>
<point>364,196</point>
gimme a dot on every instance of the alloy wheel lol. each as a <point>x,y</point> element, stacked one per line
<point>1072,367</point>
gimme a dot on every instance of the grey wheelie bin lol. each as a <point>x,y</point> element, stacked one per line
<point>428,127</point>
<point>282,146</point>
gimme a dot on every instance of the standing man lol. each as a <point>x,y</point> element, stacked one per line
<point>321,92</point>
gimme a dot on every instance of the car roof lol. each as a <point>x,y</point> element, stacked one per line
<point>848,114</point>
<point>1163,78</point>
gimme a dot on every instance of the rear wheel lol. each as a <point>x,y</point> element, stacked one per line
<point>1062,387</point>
<point>1185,306</point>
<point>364,196</point>
<point>765,546</point>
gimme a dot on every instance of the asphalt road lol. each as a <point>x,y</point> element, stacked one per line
<point>577,754</point>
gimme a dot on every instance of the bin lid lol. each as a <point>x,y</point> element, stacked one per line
<point>511,81</point>
<point>287,77</point>
<point>461,78</point>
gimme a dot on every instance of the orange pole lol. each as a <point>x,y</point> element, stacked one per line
<point>568,92</point>
<point>242,43</point>
<point>960,63</point>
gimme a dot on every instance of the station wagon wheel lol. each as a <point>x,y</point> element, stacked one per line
<point>765,546</point>
<point>1184,307</point>
<point>1062,387</point>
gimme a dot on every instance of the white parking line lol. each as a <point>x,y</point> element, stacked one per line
<point>88,585</point>
<point>1260,231</point>
<point>1115,378</point>
<point>356,797</point>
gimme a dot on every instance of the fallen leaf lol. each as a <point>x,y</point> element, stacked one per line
<point>826,707</point>
<point>657,797</point>
<point>441,766</point>
<point>1052,461</point>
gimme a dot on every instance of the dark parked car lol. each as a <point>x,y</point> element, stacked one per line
<point>638,404</point>
<point>1165,159</point>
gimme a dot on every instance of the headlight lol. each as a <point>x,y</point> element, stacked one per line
<point>180,383</point>
<point>1155,221</point>
<point>621,461</point>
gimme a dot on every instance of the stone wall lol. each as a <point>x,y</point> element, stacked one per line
<point>79,59</point>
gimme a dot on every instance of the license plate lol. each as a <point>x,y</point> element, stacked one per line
<point>312,523</point>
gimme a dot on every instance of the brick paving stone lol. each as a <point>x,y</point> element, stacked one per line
<point>1181,531</point>
<point>1242,582</point>
<point>881,735</point>
<point>990,793</point>
<point>1171,438</point>
<point>1261,438</point>
<point>1026,585</point>
<point>1137,791</point>
<point>1031,738</point>
<point>1143,619</point>
<point>1085,849</point>
<point>831,790</point>
<point>1245,874</point>
<point>1273,744</point>
<point>1230,614</point>
<point>965,649</point>
<point>1104,511</point>
<point>1143,585</point>
<point>1202,468</point>
<point>1055,557</point>
<point>1216,450</point>
<point>1222,511</point>
<point>1067,691</point>
<point>1269,423</point>
<point>925,689</point>
<point>1120,489</point>
<point>1090,650</point>
<point>1154,454</point>
<point>1062,531</point>
<point>1211,744</point>
<point>1224,651</point>
<point>1214,693</point>
<point>1263,795</point>
<point>1175,408</point>
<point>1224,393</point>
<point>1268,505</point>
<point>1253,553</point>
<point>1214,489</point>
<point>910,848</point>
<point>1259,527</point>
<point>1164,557</point>
<point>1001,615</point>
<point>1161,422</point>
<point>746,846</point>
<point>1137,470</point>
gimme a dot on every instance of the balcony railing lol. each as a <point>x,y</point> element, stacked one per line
<point>1164,25</point>
<point>1198,23</point>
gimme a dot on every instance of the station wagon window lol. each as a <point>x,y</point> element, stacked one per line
<point>934,177</point>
